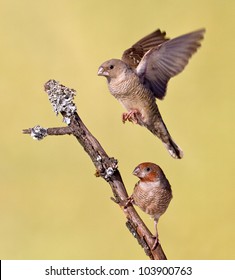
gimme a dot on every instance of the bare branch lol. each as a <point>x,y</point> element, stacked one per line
<point>61,99</point>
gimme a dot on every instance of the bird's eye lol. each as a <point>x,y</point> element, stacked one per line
<point>111,67</point>
<point>148,169</point>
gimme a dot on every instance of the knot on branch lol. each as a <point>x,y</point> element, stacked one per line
<point>109,172</point>
<point>61,99</point>
<point>106,167</point>
<point>38,132</point>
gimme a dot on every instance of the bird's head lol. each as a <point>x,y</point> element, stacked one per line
<point>113,68</point>
<point>148,172</point>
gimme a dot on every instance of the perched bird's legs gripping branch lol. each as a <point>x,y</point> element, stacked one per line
<point>131,116</point>
<point>128,202</point>
<point>156,242</point>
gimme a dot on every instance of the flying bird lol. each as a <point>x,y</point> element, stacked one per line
<point>152,193</point>
<point>142,75</point>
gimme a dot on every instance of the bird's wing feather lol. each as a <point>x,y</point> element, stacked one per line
<point>161,63</point>
<point>133,55</point>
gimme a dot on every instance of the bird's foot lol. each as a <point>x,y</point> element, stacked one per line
<point>156,242</point>
<point>127,202</point>
<point>131,116</point>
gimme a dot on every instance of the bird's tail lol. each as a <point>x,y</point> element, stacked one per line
<point>174,150</point>
<point>159,129</point>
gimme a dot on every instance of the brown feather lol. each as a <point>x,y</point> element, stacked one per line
<point>133,55</point>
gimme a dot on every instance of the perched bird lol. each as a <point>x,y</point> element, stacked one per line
<point>142,75</point>
<point>152,193</point>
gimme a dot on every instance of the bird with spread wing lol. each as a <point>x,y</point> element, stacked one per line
<point>142,75</point>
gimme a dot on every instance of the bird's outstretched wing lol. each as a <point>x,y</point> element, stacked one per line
<point>133,55</point>
<point>168,59</point>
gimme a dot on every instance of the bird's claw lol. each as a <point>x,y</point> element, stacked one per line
<point>156,242</point>
<point>127,202</point>
<point>131,116</point>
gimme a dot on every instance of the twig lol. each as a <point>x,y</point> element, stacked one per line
<point>61,99</point>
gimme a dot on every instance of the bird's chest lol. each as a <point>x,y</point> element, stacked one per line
<point>146,197</point>
<point>121,89</point>
<point>152,198</point>
<point>129,93</point>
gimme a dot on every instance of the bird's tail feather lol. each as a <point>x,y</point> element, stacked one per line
<point>174,150</point>
<point>158,128</point>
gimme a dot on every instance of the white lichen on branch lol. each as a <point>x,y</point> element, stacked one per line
<point>109,172</point>
<point>61,98</point>
<point>38,132</point>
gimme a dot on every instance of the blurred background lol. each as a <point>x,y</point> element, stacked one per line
<point>51,204</point>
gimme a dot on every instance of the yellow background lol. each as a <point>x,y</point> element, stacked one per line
<point>51,204</point>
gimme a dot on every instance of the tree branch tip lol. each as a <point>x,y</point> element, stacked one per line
<point>61,99</point>
<point>37,132</point>
<point>26,131</point>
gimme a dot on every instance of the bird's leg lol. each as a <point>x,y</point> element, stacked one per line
<point>127,202</point>
<point>156,242</point>
<point>131,116</point>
